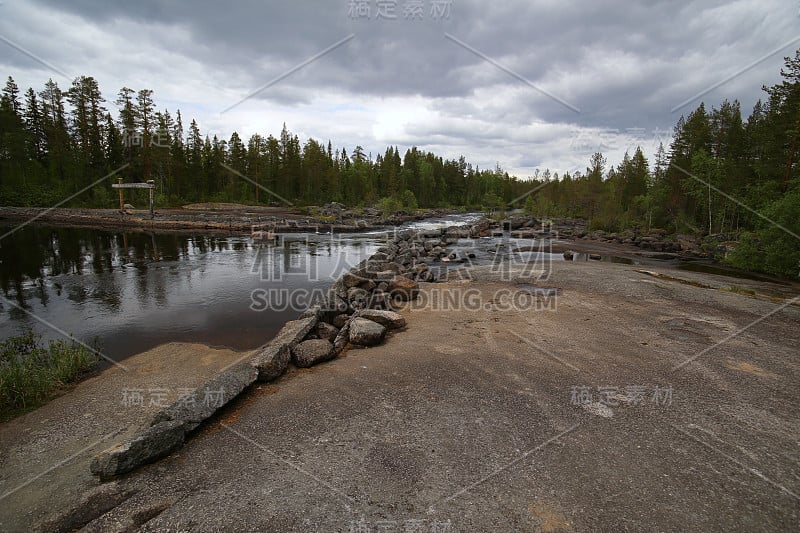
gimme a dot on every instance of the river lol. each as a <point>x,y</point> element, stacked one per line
<point>131,291</point>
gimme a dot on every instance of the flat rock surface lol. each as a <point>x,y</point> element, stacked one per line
<point>579,411</point>
<point>98,413</point>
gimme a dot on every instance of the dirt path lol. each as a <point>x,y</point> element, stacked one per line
<point>628,402</point>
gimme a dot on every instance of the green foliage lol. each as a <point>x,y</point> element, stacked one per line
<point>409,200</point>
<point>389,205</point>
<point>530,206</point>
<point>492,201</point>
<point>772,248</point>
<point>30,373</point>
<point>747,254</point>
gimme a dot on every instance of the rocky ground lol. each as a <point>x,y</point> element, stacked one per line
<point>590,396</point>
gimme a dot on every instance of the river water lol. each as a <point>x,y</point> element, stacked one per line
<point>131,291</point>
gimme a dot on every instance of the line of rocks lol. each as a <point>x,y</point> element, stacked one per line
<point>655,243</point>
<point>358,310</point>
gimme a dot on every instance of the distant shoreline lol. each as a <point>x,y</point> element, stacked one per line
<point>208,218</point>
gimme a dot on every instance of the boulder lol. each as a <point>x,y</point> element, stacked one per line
<point>343,337</point>
<point>403,288</point>
<point>384,277</point>
<point>378,300</point>
<point>367,285</point>
<point>313,311</point>
<point>389,319</point>
<point>340,320</point>
<point>353,279</point>
<point>326,331</point>
<point>271,360</point>
<point>151,445</point>
<point>357,297</point>
<point>365,332</point>
<point>311,352</point>
<point>204,402</point>
<point>295,331</point>
<point>426,275</point>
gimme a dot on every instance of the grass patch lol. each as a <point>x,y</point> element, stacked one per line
<point>741,290</point>
<point>31,372</point>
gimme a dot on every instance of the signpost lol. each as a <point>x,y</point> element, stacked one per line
<point>149,185</point>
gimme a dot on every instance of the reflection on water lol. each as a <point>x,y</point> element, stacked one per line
<point>135,290</point>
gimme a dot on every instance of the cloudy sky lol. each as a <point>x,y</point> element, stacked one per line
<point>524,84</point>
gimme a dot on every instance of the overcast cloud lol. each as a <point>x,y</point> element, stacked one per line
<point>524,84</point>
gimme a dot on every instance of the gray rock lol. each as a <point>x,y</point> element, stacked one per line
<point>326,331</point>
<point>205,400</point>
<point>343,337</point>
<point>339,288</point>
<point>311,352</point>
<point>425,275</point>
<point>365,332</point>
<point>389,319</point>
<point>340,320</point>
<point>403,288</point>
<point>314,311</point>
<point>356,293</point>
<point>392,266</point>
<point>358,298</point>
<point>295,331</point>
<point>378,300</point>
<point>333,305</point>
<point>367,285</point>
<point>353,279</point>
<point>148,446</point>
<point>271,360</point>
<point>404,259</point>
<point>384,277</point>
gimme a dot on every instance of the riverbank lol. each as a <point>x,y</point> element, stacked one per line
<point>228,219</point>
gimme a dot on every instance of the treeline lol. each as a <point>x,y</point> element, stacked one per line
<point>54,143</point>
<point>723,177</point>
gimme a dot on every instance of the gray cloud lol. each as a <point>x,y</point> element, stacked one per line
<point>623,65</point>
